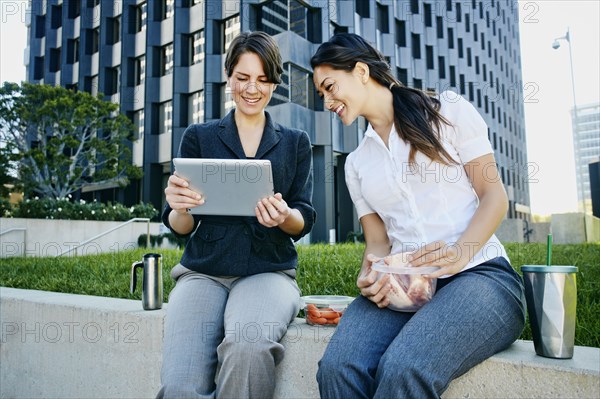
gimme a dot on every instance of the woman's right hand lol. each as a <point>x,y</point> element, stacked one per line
<point>370,287</point>
<point>179,196</point>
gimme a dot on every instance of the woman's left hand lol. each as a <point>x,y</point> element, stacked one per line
<point>272,211</point>
<point>448,258</point>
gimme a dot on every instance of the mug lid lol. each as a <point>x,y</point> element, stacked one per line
<point>549,269</point>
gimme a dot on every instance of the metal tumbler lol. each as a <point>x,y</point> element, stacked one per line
<point>152,282</point>
<point>551,294</point>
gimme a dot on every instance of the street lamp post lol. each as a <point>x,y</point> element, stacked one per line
<point>556,45</point>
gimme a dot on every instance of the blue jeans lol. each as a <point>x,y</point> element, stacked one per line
<point>380,353</point>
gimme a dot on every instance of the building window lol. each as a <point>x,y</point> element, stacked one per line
<point>442,67</point>
<point>450,38</point>
<point>196,107</point>
<point>229,103</point>
<point>402,75</point>
<point>282,15</point>
<point>138,121</point>
<point>72,51</point>
<point>166,59</point>
<point>429,57</point>
<point>166,9</point>
<point>113,31</point>
<point>38,68</point>
<point>461,53</point>
<point>452,76</point>
<point>113,76</point>
<point>383,20</point>
<point>93,41</point>
<point>141,15</point>
<point>281,94</point>
<point>416,45</point>
<point>439,23</point>
<point>55,59</point>
<point>40,26</point>
<point>56,17</point>
<point>427,15</point>
<point>197,47</point>
<point>165,117</point>
<point>400,33</point>
<point>363,8</point>
<point>302,88</point>
<point>232,29</point>
<point>93,3</point>
<point>417,83</point>
<point>94,85</point>
<point>140,70</point>
<point>414,6</point>
<point>74,9</point>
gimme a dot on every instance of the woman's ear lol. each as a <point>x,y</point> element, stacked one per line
<point>362,71</point>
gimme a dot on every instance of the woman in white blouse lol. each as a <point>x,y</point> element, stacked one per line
<point>423,179</point>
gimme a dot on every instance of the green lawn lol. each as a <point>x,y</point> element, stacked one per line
<point>323,269</point>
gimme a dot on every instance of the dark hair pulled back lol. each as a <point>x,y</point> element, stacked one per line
<point>416,114</point>
<point>260,44</point>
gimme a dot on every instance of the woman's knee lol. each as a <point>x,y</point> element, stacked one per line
<point>238,351</point>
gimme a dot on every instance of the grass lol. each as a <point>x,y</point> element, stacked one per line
<point>322,269</point>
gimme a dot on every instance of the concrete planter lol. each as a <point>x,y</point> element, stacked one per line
<point>43,237</point>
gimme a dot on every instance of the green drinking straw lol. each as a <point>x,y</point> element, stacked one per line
<point>549,250</point>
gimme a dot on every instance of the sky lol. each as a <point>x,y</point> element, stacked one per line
<point>546,73</point>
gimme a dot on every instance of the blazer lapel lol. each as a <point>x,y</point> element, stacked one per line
<point>228,134</point>
<point>271,136</point>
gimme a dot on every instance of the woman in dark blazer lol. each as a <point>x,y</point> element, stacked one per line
<point>236,291</point>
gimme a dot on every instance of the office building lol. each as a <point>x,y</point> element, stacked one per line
<point>586,143</point>
<point>162,60</point>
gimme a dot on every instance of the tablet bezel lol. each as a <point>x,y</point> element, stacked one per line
<point>230,187</point>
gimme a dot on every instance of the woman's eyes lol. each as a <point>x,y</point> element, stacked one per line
<point>241,79</point>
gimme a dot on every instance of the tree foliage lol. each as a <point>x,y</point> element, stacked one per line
<point>65,139</point>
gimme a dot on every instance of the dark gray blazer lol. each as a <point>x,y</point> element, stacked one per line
<point>240,246</point>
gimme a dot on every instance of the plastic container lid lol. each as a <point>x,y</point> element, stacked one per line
<point>326,300</point>
<point>549,269</point>
<point>382,267</point>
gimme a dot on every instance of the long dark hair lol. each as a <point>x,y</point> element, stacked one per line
<point>260,44</point>
<point>416,114</point>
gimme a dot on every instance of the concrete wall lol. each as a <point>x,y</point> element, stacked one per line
<point>567,228</point>
<point>50,237</point>
<point>592,228</point>
<point>510,230</point>
<point>575,228</point>
<point>77,346</point>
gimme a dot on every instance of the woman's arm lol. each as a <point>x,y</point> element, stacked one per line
<point>493,204</point>
<point>377,246</point>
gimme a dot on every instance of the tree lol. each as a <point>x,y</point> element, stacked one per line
<point>65,139</point>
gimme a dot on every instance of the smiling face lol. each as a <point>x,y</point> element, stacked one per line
<point>249,85</point>
<point>343,92</point>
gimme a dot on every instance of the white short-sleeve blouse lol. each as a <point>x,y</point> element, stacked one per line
<point>427,201</point>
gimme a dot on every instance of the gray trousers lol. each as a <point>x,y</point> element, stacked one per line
<point>222,334</point>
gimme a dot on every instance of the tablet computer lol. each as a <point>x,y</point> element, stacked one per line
<point>230,187</point>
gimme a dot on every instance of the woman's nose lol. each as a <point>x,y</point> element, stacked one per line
<point>252,87</point>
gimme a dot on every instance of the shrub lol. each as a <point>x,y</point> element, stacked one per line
<point>64,208</point>
<point>157,240</point>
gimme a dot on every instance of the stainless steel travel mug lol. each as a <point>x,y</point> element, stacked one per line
<point>551,294</point>
<point>152,282</point>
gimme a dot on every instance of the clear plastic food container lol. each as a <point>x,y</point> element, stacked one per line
<point>324,310</point>
<point>410,290</point>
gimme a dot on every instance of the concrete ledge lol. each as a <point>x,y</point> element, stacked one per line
<point>77,346</point>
